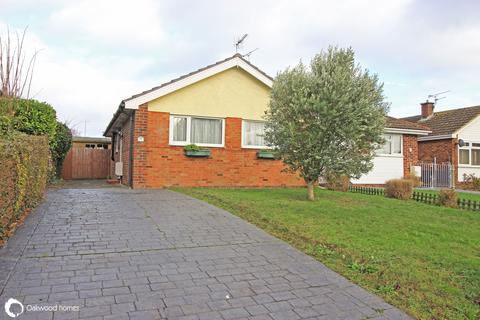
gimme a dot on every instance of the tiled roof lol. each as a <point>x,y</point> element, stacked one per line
<point>402,124</point>
<point>447,122</point>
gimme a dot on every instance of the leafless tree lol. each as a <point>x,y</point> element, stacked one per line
<point>15,74</point>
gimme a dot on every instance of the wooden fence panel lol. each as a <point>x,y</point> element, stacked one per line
<point>86,163</point>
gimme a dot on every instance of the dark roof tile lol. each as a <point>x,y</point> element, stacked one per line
<point>402,124</point>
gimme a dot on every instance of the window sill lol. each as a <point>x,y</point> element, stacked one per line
<point>389,155</point>
<point>182,144</point>
<point>256,147</point>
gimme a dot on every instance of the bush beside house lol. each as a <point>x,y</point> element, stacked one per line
<point>23,176</point>
<point>32,145</point>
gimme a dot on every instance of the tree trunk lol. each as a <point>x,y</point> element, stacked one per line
<point>311,195</point>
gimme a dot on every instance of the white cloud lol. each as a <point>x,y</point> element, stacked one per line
<point>122,23</point>
<point>98,52</point>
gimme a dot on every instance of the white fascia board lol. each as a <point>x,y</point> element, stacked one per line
<point>235,62</point>
<point>408,131</point>
<point>441,137</point>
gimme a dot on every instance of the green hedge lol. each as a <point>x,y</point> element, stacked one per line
<point>36,118</point>
<point>24,168</point>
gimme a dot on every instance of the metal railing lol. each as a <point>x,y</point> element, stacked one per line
<point>436,175</point>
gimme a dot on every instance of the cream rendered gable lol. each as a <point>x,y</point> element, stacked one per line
<point>469,133</point>
<point>230,93</point>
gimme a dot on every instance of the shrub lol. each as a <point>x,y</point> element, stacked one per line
<point>416,181</point>
<point>471,181</point>
<point>399,189</point>
<point>337,182</point>
<point>36,118</point>
<point>23,176</point>
<point>63,137</point>
<point>30,117</point>
<point>448,198</point>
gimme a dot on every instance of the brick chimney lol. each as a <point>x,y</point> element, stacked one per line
<point>427,109</point>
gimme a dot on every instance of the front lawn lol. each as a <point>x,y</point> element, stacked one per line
<point>421,258</point>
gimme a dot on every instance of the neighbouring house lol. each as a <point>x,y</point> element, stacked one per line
<point>220,107</point>
<point>455,138</point>
<point>399,153</point>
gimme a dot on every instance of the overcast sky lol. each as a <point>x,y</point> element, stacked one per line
<point>97,52</point>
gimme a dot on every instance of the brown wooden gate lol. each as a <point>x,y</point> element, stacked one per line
<point>86,163</point>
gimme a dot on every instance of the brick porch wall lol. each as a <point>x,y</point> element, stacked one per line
<point>444,150</point>
<point>157,164</point>
<point>410,152</point>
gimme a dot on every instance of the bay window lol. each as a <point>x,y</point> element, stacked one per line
<point>392,145</point>
<point>253,134</point>
<point>208,132</point>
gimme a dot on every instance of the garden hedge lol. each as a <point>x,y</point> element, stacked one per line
<point>25,162</point>
<point>36,118</point>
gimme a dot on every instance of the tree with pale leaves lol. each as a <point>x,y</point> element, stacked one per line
<point>327,118</point>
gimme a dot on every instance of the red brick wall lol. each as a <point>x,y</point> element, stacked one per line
<point>157,164</point>
<point>410,152</point>
<point>444,150</point>
<point>440,149</point>
<point>140,149</point>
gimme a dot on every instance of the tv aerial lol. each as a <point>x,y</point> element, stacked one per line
<point>239,46</point>
<point>437,96</point>
<point>238,43</point>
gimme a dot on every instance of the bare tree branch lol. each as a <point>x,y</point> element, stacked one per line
<point>14,79</point>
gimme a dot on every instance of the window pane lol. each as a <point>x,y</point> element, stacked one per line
<point>387,147</point>
<point>254,133</point>
<point>397,143</point>
<point>464,156</point>
<point>207,131</point>
<point>179,129</point>
<point>476,157</point>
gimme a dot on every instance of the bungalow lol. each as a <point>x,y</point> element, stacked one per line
<point>399,153</point>
<point>220,107</point>
<point>455,138</point>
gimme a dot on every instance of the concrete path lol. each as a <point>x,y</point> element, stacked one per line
<point>114,253</point>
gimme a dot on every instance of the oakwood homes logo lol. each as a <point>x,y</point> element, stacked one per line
<point>14,308</point>
<point>11,303</point>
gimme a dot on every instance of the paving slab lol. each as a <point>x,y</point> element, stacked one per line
<point>116,253</point>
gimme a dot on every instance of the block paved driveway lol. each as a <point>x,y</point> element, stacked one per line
<point>128,254</point>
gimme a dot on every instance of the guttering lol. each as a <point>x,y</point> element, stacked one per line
<point>409,131</point>
<point>439,137</point>
<point>119,111</point>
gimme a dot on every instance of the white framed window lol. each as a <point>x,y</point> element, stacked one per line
<point>469,154</point>
<point>202,131</point>
<point>392,145</point>
<point>253,134</point>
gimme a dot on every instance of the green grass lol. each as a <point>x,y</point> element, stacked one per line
<point>421,258</point>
